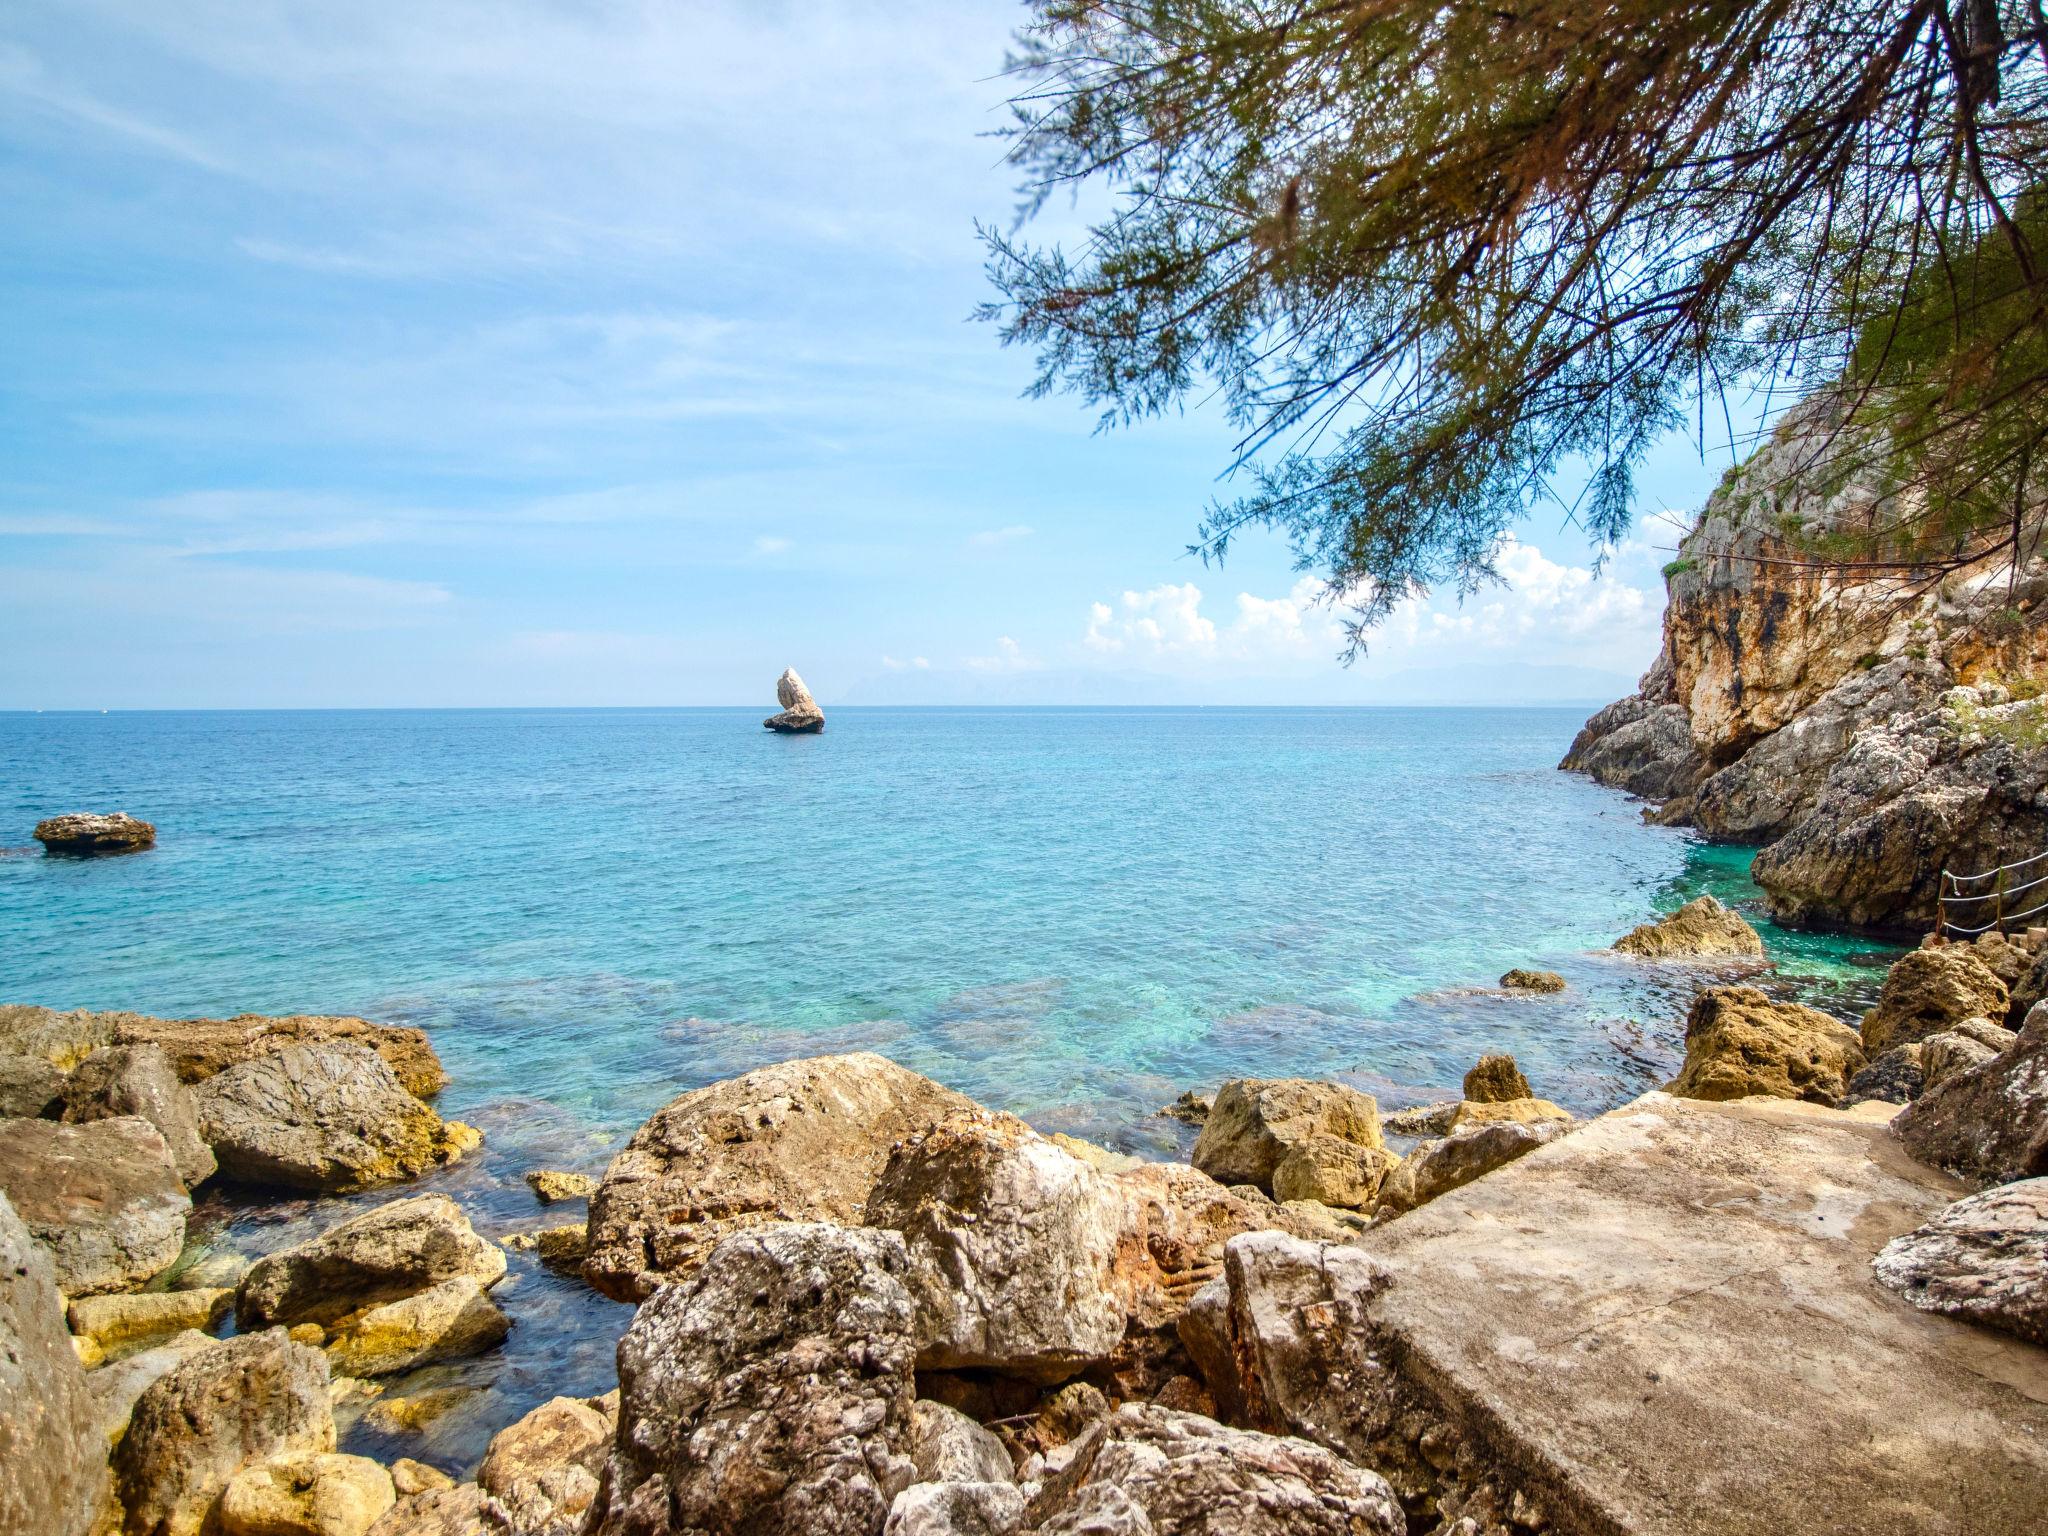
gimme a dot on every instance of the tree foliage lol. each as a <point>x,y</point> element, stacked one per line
<point>1440,259</point>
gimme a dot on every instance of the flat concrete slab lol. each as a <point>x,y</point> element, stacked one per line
<point>1666,1322</point>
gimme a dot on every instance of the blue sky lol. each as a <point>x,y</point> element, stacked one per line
<point>611,353</point>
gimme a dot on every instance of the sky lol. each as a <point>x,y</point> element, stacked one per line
<point>506,352</point>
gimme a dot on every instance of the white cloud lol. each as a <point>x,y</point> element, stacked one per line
<point>989,538</point>
<point>771,544</point>
<point>1165,620</point>
<point>1009,657</point>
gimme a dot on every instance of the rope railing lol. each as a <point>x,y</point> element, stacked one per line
<point>2003,889</point>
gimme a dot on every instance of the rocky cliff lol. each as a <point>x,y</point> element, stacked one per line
<point>1866,726</point>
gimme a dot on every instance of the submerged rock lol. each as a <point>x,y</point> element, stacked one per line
<point>104,1198</point>
<point>53,1466</point>
<point>1702,928</point>
<point>1989,1123</point>
<point>800,713</point>
<point>1984,1259</point>
<point>550,1185</point>
<point>771,1390</point>
<point>1519,980</point>
<point>397,1250</point>
<point>1928,991</point>
<point>87,832</point>
<point>799,1141</point>
<point>1255,1122</point>
<point>330,1117</point>
<point>1739,1043</point>
<point>138,1080</point>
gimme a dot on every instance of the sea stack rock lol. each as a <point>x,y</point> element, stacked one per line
<point>91,832</point>
<point>800,712</point>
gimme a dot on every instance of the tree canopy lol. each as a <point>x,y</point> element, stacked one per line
<point>1442,259</point>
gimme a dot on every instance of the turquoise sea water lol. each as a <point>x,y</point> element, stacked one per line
<point>1072,914</point>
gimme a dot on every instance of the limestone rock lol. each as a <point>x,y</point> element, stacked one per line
<point>63,1039</point>
<point>1496,1079</point>
<point>542,1472</point>
<point>1437,1167</point>
<point>138,1080</point>
<point>106,1327</point>
<point>199,1048</point>
<point>395,1250</point>
<point>453,1511</point>
<point>800,713</point>
<point>1255,1121</point>
<point>53,1471</point>
<point>1641,744</point>
<point>946,1446</point>
<point>409,1477</point>
<point>30,1087</point>
<point>770,1390</point>
<point>1739,1043</point>
<point>1989,1123</point>
<point>552,1184</point>
<point>104,1198</point>
<point>236,1402</point>
<point>1504,1111</point>
<point>1984,1259</point>
<point>307,1493</point>
<point>85,832</point>
<point>1520,980</point>
<point>1191,1108</point>
<point>1702,928</point>
<point>1332,1171</point>
<point>443,1322</point>
<point>1928,991</point>
<point>330,1117</point>
<point>956,1509</point>
<point>116,1387</point>
<point>800,1141</point>
<point>1892,1077</point>
<point>1942,1056</point>
<point>562,1248</point>
<point>1422,1119</point>
<point>1148,1469</point>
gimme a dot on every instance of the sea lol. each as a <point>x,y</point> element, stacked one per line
<point>1071,914</point>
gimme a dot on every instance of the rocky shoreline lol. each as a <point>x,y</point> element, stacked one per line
<point>866,1303</point>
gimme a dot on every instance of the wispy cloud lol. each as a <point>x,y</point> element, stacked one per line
<point>990,538</point>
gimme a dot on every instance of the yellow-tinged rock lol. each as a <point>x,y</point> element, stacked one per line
<point>319,1493</point>
<point>1525,1111</point>
<point>1334,1172</point>
<point>108,1327</point>
<point>443,1322</point>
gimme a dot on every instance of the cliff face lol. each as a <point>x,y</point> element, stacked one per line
<point>1866,733</point>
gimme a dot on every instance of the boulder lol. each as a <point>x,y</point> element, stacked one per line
<point>409,1477</point>
<point>1928,991</point>
<point>542,1472</point>
<point>552,1184</point>
<point>235,1403</point>
<point>1191,1108</point>
<point>1987,1124</point>
<point>1436,1167</point>
<point>452,1511</point>
<point>307,1493</point>
<point>88,832</point>
<point>1149,1471</point>
<point>1984,1260</point>
<point>1012,1243</point>
<point>30,1087</point>
<point>1893,1077</point>
<point>1254,1122</point>
<point>107,1327</point>
<point>200,1048</point>
<point>1701,929</point>
<point>395,1250</point>
<point>118,1386</point>
<point>1641,744</point>
<point>1422,1119</point>
<point>1495,1080</point>
<point>330,1117</point>
<point>138,1080</point>
<point>104,1198</point>
<point>1505,1111</point>
<point>956,1509</point>
<point>562,1248</point>
<point>1944,1055</point>
<point>1334,1172</point>
<point>443,1322</point>
<point>800,713</point>
<point>1520,980</point>
<point>770,1390</point>
<point>1739,1043</point>
<point>53,1467</point>
<point>800,1141</point>
<point>946,1446</point>
<point>61,1039</point>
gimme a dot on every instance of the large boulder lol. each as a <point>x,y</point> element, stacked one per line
<point>1012,1243</point>
<point>946,1446</point>
<point>1437,1167</point>
<point>1334,1172</point>
<point>139,1080</point>
<point>1701,929</point>
<point>395,1250</point>
<point>1930,990</point>
<point>799,1141</point>
<point>1984,1259</point>
<point>63,1039</point>
<point>1149,1471</point>
<point>119,1385</point>
<point>800,713</point>
<point>108,1327</point>
<point>452,1511</point>
<point>104,1198</point>
<point>88,832</point>
<point>542,1473</point>
<point>1496,1080</point>
<point>305,1493</point>
<point>1988,1124</point>
<point>228,1406</point>
<point>956,1509</point>
<point>1642,744</point>
<point>770,1390</point>
<point>1739,1043</point>
<point>447,1321</point>
<point>1953,1051</point>
<point>30,1087</point>
<point>1255,1122</point>
<point>53,1470</point>
<point>330,1117</point>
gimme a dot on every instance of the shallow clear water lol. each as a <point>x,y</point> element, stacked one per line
<point>1072,914</point>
